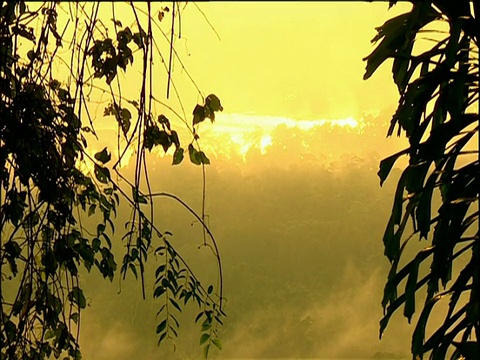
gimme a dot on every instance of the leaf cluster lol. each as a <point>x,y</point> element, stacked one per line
<point>175,284</point>
<point>49,182</point>
<point>438,90</point>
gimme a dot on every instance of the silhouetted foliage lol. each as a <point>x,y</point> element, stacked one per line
<point>50,184</point>
<point>439,112</point>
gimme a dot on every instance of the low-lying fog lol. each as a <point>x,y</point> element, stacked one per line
<point>299,219</point>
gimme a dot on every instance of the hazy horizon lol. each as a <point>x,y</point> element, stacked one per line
<point>292,192</point>
<point>299,230</point>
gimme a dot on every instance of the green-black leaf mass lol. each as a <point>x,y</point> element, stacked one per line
<point>59,198</point>
<point>438,192</point>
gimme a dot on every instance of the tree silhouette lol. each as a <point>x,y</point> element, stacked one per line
<point>59,201</point>
<point>438,192</point>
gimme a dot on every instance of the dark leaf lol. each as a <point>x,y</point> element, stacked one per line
<point>469,349</point>
<point>10,330</point>
<point>117,22</point>
<point>198,114</point>
<point>161,326</point>
<point>174,138</point>
<point>159,270</point>
<point>103,156</point>
<point>159,291</point>
<point>424,209</point>
<point>162,337</point>
<point>133,269</point>
<point>139,38</point>
<point>164,140</point>
<point>398,201</point>
<point>124,120</point>
<point>76,296</point>
<point>205,351</point>
<point>137,197</point>
<point>177,156</point>
<point>75,317</point>
<point>410,289</point>
<point>194,157</point>
<point>175,304</point>
<point>203,158</point>
<point>419,333</point>
<point>213,102</point>
<point>27,33</point>
<point>387,164</point>
<point>204,338</point>
<point>102,174</point>
<point>151,137</point>
<point>163,120</point>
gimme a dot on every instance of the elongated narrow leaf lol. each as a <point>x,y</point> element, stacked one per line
<point>410,289</point>
<point>392,32</point>
<point>424,209</point>
<point>161,326</point>
<point>206,349</point>
<point>387,164</point>
<point>398,201</point>
<point>162,337</point>
<point>419,333</point>
<point>175,304</point>
<point>388,238</point>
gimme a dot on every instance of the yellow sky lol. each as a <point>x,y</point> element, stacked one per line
<point>269,63</point>
<point>292,59</point>
<point>301,60</point>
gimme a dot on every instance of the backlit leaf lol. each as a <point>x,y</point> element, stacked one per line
<point>194,157</point>
<point>203,158</point>
<point>217,343</point>
<point>76,296</point>
<point>103,156</point>
<point>177,156</point>
<point>161,326</point>
<point>102,174</point>
<point>163,120</point>
<point>206,350</point>
<point>387,164</point>
<point>204,338</point>
<point>213,102</point>
<point>124,119</point>
<point>410,289</point>
<point>198,114</point>
<point>137,197</point>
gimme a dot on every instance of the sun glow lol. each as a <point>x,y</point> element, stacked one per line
<point>242,133</point>
<point>239,134</point>
<point>265,142</point>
